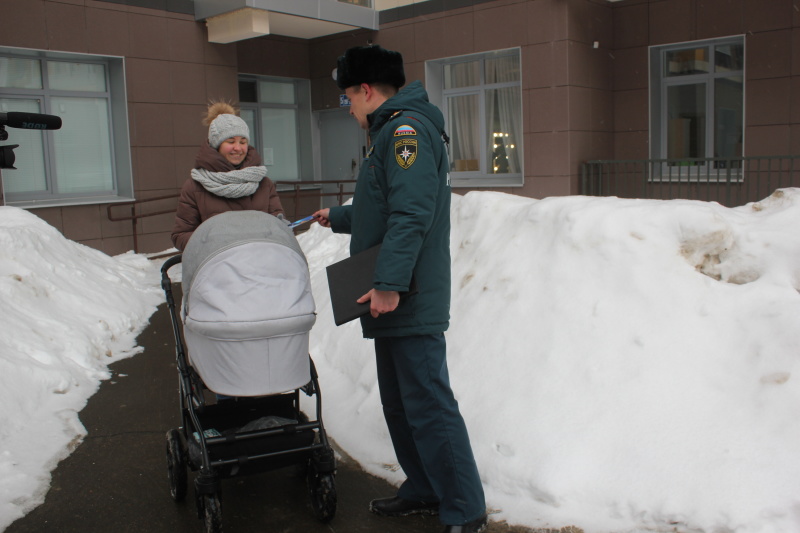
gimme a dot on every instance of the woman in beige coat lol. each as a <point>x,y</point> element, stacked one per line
<point>228,176</point>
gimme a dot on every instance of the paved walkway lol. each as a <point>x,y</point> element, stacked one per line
<point>116,480</point>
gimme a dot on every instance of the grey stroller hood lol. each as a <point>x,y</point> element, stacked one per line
<point>247,305</point>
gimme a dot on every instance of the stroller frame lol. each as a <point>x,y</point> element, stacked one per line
<point>307,441</point>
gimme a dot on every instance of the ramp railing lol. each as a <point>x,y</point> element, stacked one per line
<point>299,199</point>
<point>728,181</point>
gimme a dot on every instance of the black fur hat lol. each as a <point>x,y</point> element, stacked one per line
<point>370,64</point>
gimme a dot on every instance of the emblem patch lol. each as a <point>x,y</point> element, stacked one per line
<point>404,130</point>
<point>405,151</point>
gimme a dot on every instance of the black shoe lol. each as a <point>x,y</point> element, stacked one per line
<point>397,506</point>
<point>476,526</point>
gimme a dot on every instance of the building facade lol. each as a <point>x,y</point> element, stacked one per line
<point>531,90</point>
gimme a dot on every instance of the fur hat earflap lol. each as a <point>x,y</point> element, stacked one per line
<point>223,123</point>
<point>370,64</point>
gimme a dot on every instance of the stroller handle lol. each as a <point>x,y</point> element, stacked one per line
<point>171,262</point>
<point>165,281</point>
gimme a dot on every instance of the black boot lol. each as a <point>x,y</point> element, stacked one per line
<point>397,506</point>
<point>476,526</point>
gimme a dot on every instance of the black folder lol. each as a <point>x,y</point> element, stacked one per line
<point>349,280</point>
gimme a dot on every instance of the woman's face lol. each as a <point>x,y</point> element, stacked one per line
<point>234,150</point>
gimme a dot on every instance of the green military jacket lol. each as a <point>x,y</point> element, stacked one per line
<point>402,199</point>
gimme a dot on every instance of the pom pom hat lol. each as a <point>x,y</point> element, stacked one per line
<point>223,124</point>
<point>370,64</point>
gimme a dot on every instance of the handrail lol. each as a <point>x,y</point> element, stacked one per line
<point>297,188</point>
<point>295,191</point>
<point>134,217</point>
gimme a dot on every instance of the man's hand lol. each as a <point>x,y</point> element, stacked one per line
<point>380,302</point>
<point>323,217</point>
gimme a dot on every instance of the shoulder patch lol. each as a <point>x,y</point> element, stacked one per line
<point>405,152</point>
<point>404,130</point>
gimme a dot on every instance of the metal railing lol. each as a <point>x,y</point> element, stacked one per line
<point>298,192</point>
<point>316,191</point>
<point>139,210</point>
<point>728,181</point>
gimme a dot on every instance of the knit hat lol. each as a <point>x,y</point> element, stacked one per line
<point>370,64</point>
<point>224,124</point>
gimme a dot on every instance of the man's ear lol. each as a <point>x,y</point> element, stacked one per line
<point>368,91</point>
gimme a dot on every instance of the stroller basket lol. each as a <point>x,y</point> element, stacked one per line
<point>257,435</point>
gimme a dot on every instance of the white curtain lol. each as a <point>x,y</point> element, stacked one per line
<point>504,113</point>
<point>463,117</point>
<point>464,132</point>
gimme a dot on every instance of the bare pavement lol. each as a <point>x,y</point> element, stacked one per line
<point>116,479</point>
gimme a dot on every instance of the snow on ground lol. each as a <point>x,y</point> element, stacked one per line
<point>622,365</point>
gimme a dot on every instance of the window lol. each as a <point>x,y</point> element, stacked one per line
<point>88,159</point>
<point>697,106</point>
<point>278,113</point>
<point>481,98</point>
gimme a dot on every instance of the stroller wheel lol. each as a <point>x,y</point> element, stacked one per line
<point>212,513</point>
<point>322,489</point>
<point>176,466</point>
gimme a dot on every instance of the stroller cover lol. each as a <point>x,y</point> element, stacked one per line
<point>247,305</point>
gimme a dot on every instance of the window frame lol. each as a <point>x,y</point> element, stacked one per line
<point>115,95</point>
<point>434,71</point>
<point>302,108</point>
<point>702,168</point>
<point>361,3</point>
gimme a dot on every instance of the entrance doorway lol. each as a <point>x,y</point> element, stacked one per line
<point>342,145</point>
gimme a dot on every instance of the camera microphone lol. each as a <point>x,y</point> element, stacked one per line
<point>30,121</point>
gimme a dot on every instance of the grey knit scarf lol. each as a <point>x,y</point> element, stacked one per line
<point>231,184</point>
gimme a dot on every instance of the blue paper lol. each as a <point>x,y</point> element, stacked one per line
<point>301,221</point>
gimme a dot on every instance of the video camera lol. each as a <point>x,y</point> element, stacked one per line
<point>26,121</point>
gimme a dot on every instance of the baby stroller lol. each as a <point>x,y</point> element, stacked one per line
<point>246,314</point>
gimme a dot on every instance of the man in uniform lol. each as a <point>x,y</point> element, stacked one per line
<point>402,200</point>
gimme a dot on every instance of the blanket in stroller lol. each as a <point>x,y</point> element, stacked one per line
<point>247,305</point>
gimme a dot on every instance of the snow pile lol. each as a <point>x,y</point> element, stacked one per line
<point>622,365</point>
<point>67,312</point>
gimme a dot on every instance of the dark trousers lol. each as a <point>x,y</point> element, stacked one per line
<point>428,433</point>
